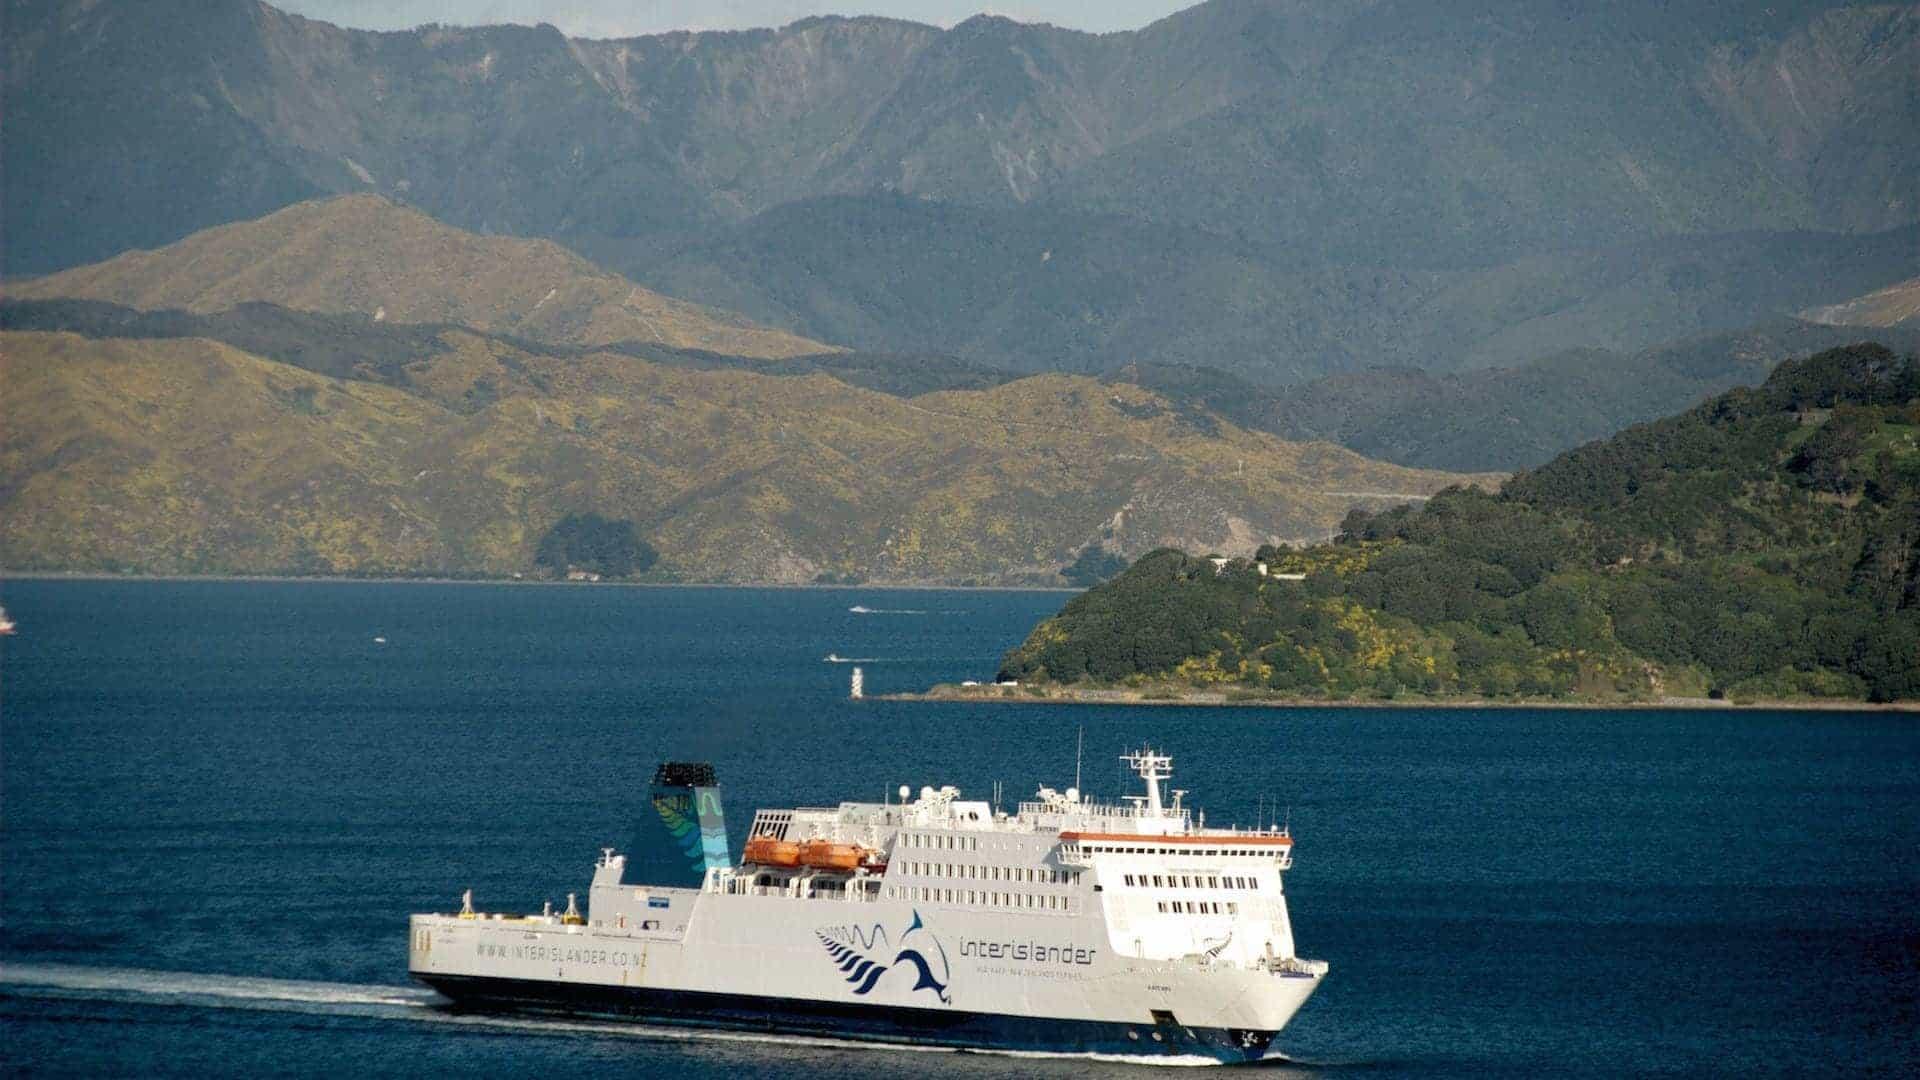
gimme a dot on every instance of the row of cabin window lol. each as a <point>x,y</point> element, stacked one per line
<point>1189,881</point>
<point>972,896</point>
<point>1198,907</point>
<point>988,873</point>
<point>1203,853</point>
<point>946,843</point>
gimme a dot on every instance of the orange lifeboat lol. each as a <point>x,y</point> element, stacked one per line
<point>827,855</point>
<point>771,851</point>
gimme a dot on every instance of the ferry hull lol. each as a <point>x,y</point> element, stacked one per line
<point>874,971</point>
<point>942,1028</point>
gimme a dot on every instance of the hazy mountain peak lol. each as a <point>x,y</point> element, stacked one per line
<point>366,254</point>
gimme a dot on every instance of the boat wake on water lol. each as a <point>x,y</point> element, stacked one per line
<point>194,988</point>
<point>139,986</point>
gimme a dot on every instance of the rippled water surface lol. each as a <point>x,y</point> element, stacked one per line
<point>221,800</point>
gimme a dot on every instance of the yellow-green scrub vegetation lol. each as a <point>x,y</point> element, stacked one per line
<point>448,452</point>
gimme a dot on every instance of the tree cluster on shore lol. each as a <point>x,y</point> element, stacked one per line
<point>606,547</point>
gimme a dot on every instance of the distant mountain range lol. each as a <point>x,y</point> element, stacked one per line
<point>1032,288</point>
<point>1276,188</point>
<point>1507,418</point>
<point>355,286</point>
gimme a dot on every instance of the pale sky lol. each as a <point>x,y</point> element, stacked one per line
<point>627,18</point>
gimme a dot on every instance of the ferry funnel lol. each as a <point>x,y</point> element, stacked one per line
<point>682,833</point>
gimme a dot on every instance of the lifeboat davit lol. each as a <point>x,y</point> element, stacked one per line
<point>828,855</point>
<point>771,851</point>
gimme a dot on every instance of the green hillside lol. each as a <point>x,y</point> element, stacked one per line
<point>1765,544</point>
<point>370,449</point>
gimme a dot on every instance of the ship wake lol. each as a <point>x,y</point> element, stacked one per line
<point>138,986</point>
<point>193,988</point>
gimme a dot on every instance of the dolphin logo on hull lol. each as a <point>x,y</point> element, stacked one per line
<point>918,959</point>
<point>863,973</point>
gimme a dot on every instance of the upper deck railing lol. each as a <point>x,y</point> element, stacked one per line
<point>1053,811</point>
<point>1100,810</point>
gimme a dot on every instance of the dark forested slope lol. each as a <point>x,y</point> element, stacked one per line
<point>1765,544</point>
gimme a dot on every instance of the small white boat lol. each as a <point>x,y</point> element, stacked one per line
<point>7,625</point>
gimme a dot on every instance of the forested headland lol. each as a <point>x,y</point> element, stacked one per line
<point>1764,545</point>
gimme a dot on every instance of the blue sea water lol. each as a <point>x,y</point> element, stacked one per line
<point>219,801</point>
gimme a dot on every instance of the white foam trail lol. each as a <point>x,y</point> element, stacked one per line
<point>140,983</point>
<point>416,1003</point>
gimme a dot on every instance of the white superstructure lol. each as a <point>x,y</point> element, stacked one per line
<point>1069,925</point>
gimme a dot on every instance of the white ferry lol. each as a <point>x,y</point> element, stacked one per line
<point>1070,927</point>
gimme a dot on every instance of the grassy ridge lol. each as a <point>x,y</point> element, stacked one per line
<point>1765,544</point>
<point>363,254</point>
<point>186,455</point>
